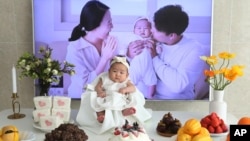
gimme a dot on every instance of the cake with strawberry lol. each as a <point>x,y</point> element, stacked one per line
<point>61,102</point>
<point>43,102</point>
<point>130,133</point>
<point>50,122</point>
<point>38,113</point>
<point>168,125</point>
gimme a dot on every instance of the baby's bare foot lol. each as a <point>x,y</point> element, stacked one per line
<point>128,111</point>
<point>100,118</point>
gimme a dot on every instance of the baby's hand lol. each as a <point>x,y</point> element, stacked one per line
<point>149,43</point>
<point>101,94</point>
<point>123,91</point>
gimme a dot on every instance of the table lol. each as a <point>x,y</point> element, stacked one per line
<point>26,124</point>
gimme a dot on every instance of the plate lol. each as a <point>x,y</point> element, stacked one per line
<point>218,134</point>
<point>37,126</point>
<point>27,136</point>
<point>165,134</point>
<point>173,138</point>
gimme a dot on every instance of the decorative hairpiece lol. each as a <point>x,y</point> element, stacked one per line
<point>122,60</point>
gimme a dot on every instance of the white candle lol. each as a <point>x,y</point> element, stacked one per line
<point>14,79</point>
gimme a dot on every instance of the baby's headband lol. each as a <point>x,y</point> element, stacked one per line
<point>122,60</point>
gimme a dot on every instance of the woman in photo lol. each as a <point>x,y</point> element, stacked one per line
<point>90,47</point>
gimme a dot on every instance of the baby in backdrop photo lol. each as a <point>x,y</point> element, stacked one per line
<point>111,99</point>
<point>142,30</point>
<point>141,71</point>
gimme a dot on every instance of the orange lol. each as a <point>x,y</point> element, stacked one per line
<point>228,137</point>
<point>244,121</point>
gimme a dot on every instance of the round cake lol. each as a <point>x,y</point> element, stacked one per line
<point>168,126</point>
<point>66,132</point>
<point>130,133</point>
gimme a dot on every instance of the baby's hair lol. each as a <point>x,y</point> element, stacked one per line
<point>142,18</point>
<point>121,56</point>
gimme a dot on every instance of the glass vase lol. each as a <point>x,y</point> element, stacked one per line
<point>43,87</point>
<point>218,105</point>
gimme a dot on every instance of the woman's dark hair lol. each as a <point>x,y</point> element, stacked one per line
<point>171,19</point>
<point>90,18</point>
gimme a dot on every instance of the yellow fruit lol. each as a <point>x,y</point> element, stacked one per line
<point>180,131</point>
<point>183,137</point>
<point>204,131</point>
<point>192,126</point>
<point>201,137</point>
<point>9,133</point>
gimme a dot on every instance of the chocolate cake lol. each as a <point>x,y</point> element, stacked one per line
<point>168,126</point>
<point>66,132</point>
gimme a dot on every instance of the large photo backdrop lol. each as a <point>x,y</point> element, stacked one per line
<point>53,21</point>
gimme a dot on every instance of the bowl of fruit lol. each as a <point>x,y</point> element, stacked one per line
<point>215,125</point>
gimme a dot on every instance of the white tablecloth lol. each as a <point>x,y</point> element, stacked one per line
<point>26,124</point>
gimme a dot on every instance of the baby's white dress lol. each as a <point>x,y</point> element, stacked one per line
<point>113,104</point>
<point>113,100</point>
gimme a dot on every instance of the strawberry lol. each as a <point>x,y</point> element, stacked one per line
<point>136,133</point>
<point>117,132</point>
<point>125,134</point>
<point>207,120</point>
<point>218,130</point>
<point>215,122</point>
<point>213,115</point>
<point>224,127</point>
<point>222,121</point>
<point>204,124</point>
<point>211,129</point>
